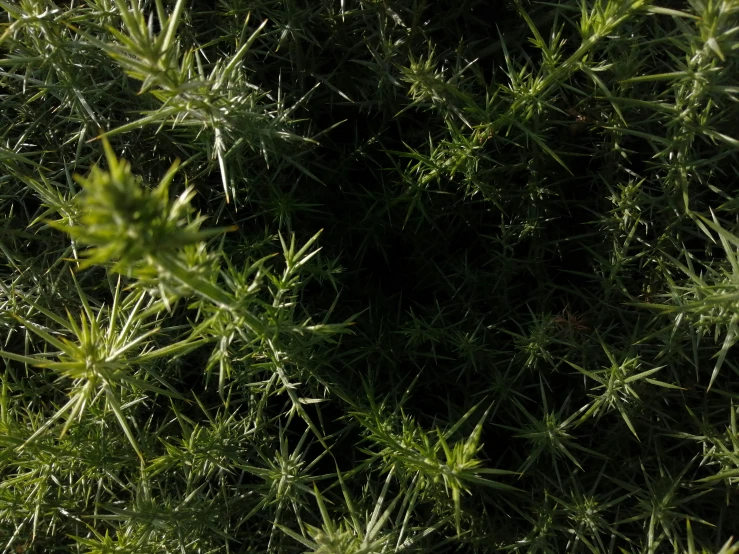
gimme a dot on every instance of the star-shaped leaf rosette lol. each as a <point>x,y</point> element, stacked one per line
<point>140,231</point>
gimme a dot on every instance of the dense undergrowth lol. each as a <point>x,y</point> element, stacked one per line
<point>363,276</point>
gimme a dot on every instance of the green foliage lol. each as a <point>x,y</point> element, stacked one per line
<point>363,276</point>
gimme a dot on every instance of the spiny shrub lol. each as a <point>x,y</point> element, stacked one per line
<point>369,276</point>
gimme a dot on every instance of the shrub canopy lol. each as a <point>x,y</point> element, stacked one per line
<point>369,276</point>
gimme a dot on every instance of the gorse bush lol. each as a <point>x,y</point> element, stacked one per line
<point>369,276</point>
